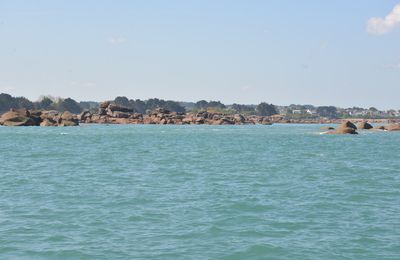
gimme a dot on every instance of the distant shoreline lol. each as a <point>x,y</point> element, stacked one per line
<point>289,112</point>
<point>111,113</point>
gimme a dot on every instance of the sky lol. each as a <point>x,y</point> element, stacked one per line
<point>335,52</point>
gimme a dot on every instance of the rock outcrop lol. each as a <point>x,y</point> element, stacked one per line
<point>345,127</point>
<point>23,117</point>
<point>19,117</point>
<point>393,127</point>
<point>343,131</point>
<point>110,113</point>
<point>347,124</point>
<point>364,126</point>
<point>379,127</point>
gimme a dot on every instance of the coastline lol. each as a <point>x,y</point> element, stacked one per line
<point>114,114</point>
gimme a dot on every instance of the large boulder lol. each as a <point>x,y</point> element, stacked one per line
<point>344,130</point>
<point>115,107</point>
<point>68,119</point>
<point>49,114</point>
<point>364,126</point>
<point>105,104</point>
<point>203,114</point>
<point>20,117</point>
<point>379,127</point>
<point>227,121</point>
<point>68,123</point>
<point>161,111</point>
<point>35,115</point>
<point>118,114</point>
<point>265,121</point>
<point>346,124</point>
<point>136,116</point>
<point>239,118</point>
<point>97,119</point>
<point>217,116</point>
<point>200,121</point>
<point>84,116</point>
<point>393,127</point>
<point>102,112</point>
<point>48,122</point>
<point>68,116</point>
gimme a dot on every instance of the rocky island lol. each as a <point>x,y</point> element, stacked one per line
<point>111,113</point>
<point>19,111</point>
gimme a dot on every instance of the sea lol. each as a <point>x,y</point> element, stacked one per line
<point>283,191</point>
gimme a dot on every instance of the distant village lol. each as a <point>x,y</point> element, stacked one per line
<point>310,111</point>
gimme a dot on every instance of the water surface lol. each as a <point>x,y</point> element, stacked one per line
<point>198,192</point>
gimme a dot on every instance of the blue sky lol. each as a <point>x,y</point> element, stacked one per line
<point>278,51</point>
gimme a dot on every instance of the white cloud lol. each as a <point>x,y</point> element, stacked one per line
<point>117,40</point>
<point>393,66</point>
<point>378,25</point>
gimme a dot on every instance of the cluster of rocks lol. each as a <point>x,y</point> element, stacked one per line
<point>23,117</point>
<point>348,127</point>
<point>110,113</point>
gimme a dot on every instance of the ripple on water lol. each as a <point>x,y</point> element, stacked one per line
<point>198,192</point>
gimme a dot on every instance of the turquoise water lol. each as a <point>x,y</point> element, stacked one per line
<point>198,192</point>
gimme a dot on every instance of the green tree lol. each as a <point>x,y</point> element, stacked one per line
<point>265,109</point>
<point>215,104</point>
<point>139,106</point>
<point>6,102</point>
<point>123,101</point>
<point>22,102</point>
<point>173,106</point>
<point>327,111</point>
<point>202,104</point>
<point>70,105</point>
<point>45,103</point>
<point>243,108</point>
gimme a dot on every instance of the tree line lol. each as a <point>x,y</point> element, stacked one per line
<point>47,103</point>
<point>8,102</point>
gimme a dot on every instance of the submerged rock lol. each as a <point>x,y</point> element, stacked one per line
<point>379,127</point>
<point>327,128</point>
<point>393,127</point>
<point>343,131</point>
